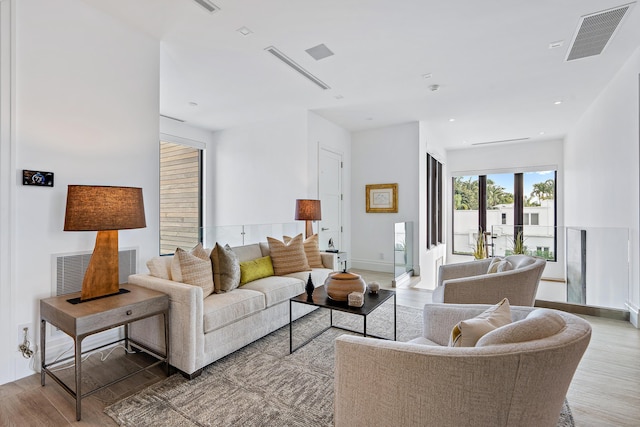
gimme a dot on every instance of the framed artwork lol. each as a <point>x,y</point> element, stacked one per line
<point>382,198</point>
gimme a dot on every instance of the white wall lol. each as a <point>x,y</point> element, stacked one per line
<point>523,156</point>
<point>259,170</point>
<point>327,135</point>
<point>602,166</point>
<point>86,108</point>
<point>383,156</point>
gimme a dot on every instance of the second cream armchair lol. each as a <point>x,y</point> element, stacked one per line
<point>469,282</point>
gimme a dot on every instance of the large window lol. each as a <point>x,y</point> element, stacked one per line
<point>434,202</point>
<point>180,197</point>
<point>509,207</point>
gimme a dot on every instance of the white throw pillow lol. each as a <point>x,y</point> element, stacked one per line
<point>498,265</point>
<point>539,324</point>
<point>467,332</point>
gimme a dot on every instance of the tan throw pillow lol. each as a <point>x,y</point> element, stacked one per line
<point>467,332</point>
<point>226,269</point>
<point>288,257</point>
<point>311,250</point>
<point>193,268</point>
<point>160,266</point>
<point>539,324</point>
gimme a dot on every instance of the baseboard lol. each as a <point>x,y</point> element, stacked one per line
<point>633,313</point>
<point>609,313</point>
<point>382,267</point>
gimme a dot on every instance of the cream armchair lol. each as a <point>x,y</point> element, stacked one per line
<point>515,382</point>
<point>469,282</point>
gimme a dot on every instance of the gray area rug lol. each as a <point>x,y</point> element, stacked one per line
<point>262,384</point>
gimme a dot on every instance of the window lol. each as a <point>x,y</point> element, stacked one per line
<point>506,205</point>
<point>434,202</point>
<point>180,197</point>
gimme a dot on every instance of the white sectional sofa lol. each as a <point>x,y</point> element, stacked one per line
<point>205,329</point>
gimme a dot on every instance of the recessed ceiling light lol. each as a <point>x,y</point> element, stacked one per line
<point>244,31</point>
<point>339,97</point>
<point>542,133</point>
<point>434,88</point>
<point>426,76</point>
<point>558,102</point>
<point>369,118</point>
<point>193,104</point>
<point>555,45</point>
<point>452,120</point>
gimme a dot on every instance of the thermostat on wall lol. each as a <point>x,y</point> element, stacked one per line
<point>41,179</point>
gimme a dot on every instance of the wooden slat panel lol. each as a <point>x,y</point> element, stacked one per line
<point>179,197</point>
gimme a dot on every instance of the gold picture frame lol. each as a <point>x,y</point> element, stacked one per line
<point>382,198</point>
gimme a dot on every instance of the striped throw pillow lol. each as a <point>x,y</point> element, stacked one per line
<point>311,250</point>
<point>288,257</point>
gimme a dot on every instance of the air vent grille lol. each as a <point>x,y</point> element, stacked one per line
<point>595,32</point>
<point>282,57</point>
<point>70,269</point>
<point>501,141</point>
<point>208,5</point>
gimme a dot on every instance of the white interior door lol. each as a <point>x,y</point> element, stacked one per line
<point>330,190</point>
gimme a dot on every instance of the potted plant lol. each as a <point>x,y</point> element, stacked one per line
<point>518,244</point>
<point>480,251</point>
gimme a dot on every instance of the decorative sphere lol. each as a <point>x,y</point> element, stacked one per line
<point>374,287</point>
<point>340,285</point>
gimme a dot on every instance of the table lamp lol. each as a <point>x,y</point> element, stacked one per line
<point>106,210</point>
<point>308,210</point>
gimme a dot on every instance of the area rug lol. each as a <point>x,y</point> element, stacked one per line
<point>262,384</point>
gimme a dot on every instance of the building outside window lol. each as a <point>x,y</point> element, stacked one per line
<point>504,205</point>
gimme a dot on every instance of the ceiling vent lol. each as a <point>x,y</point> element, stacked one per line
<point>172,118</point>
<point>282,57</point>
<point>595,31</point>
<point>208,5</point>
<point>501,141</point>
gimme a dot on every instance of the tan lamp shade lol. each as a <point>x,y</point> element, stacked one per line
<point>308,210</point>
<point>106,210</point>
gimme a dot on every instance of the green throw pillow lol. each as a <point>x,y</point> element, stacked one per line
<point>255,269</point>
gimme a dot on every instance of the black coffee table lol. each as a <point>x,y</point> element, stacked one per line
<point>321,299</point>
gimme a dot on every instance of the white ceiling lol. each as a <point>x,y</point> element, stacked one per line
<point>498,77</point>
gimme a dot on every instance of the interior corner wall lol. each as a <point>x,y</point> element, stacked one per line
<point>183,133</point>
<point>430,257</point>
<point>383,156</point>
<point>258,171</point>
<point>602,172</point>
<point>7,189</point>
<point>86,109</point>
<point>327,135</point>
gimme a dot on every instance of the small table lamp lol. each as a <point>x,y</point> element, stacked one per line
<point>308,210</point>
<point>106,210</point>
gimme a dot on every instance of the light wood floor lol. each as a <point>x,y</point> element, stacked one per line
<point>605,390</point>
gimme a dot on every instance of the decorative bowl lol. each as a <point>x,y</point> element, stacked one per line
<point>339,285</point>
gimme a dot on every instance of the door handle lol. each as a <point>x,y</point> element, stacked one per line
<point>324,229</point>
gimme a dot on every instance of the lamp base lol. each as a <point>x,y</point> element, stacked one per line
<point>308,231</point>
<point>78,300</point>
<point>102,275</point>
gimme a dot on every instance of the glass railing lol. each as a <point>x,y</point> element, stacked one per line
<point>186,237</point>
<point>238,235</point>
<point>585,265</point>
